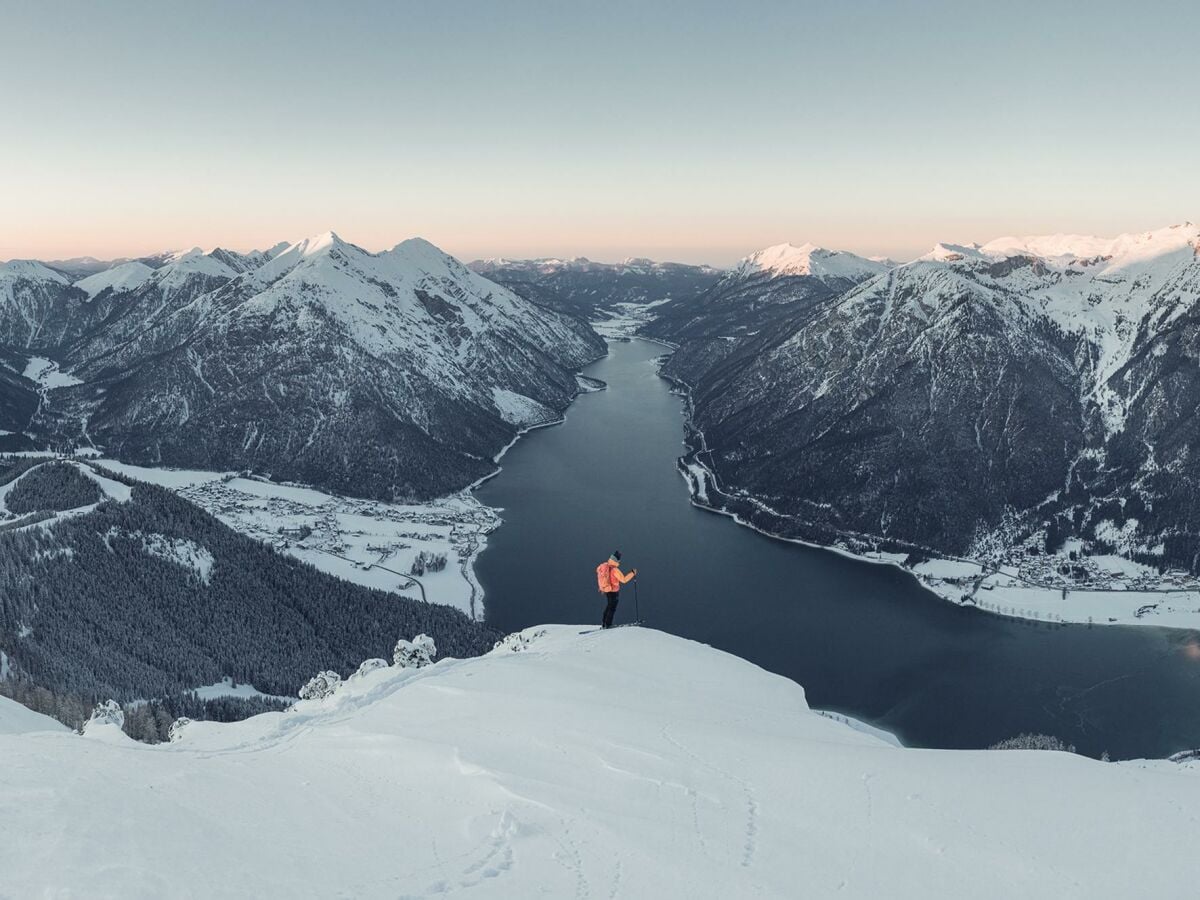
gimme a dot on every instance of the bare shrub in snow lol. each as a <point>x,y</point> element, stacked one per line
<point>414,654</point>
<point>320,686</point>
<point>1033,742</point>
<point>518,641</point>
<point>370,665</point>
<point>175,732</point>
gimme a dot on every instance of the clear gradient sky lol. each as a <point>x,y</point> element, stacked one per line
<point>691,131</point>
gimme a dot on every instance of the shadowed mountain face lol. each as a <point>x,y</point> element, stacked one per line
<point>586,288</point>
<point>392,375</point>
<point>763,293</point>
<point>975,396</point>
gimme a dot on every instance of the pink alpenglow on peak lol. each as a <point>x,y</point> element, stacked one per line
<point>808,259</point>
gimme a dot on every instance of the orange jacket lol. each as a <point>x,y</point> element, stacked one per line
<point>610,577</point>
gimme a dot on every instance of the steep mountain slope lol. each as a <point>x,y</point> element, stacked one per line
<point>35,305</point>
<point>123,590</point>
<point>391,375</point>
<point>766,288</point>
<point>18,402</point>
<point>586,288</point>
<point>761,288</point>
<point>981,396</point>
<point>625,764</point>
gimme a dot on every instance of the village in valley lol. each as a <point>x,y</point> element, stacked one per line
<point>1073,584</point>
<point>421,550</point>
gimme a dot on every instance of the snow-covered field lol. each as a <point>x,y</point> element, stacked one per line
<point>47,374</point>
<point>226,688</point>
<point>624,319</point>
<point>1004,591</point>
<point>368,542</point>
<point>627,764</point>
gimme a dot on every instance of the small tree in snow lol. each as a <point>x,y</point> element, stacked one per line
<point>414,654</point>
<point>175,732</point>
<point>320,686</point>
<point>107,713</point>
<point>428,562</point>
<point>518,641</point>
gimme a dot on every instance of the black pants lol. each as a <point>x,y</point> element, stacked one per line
<point>611,609</point>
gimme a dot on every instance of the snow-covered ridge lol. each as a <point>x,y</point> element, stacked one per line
<point>1118,252</point>
<point>809,259</point>
<point>548,265</point>
<point>1108,290</point>
<point>125,277</point>
<point>1173,244</point>
<point>30,269</point>
<point>620,764</point>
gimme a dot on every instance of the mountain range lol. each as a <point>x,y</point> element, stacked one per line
<point>395,375</point>
<point>591,289</point>
<point>1017,392</point>
<point>981,396</point>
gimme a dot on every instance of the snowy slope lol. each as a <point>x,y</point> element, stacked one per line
<point>629,764</point>
<point>15,719</point>
<point>125,277</point>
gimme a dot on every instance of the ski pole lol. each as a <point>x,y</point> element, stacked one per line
<point>637,607</point>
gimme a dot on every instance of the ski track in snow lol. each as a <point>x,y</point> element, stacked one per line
<point>751,825</point>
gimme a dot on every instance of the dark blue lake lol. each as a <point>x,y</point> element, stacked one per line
<point>863,639</point>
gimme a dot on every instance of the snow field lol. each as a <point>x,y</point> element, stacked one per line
<point>620,764</point>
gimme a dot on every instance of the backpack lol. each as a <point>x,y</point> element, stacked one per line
<point>604,577</point>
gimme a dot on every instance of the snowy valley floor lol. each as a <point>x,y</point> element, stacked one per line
<point>628,764</point>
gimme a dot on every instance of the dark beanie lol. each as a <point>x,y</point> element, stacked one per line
<point>616,554</point>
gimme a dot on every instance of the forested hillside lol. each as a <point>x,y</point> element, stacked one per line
<point>146,595</point>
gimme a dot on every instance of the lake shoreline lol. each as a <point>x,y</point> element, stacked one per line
<point>1008,596</point>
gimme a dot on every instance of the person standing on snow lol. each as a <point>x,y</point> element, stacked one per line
<point>610,578</point>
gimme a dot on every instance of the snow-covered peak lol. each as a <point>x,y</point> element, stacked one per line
<point>272,252</point>
<point>31,269</point>
<point>325,241</point>
<point>945,252</point>
<point>421,253</point>
<point>309,252</point>
<point>183,255</point>
<point>126,277</point>
<point>187,264</point>
<point>808,259</point>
